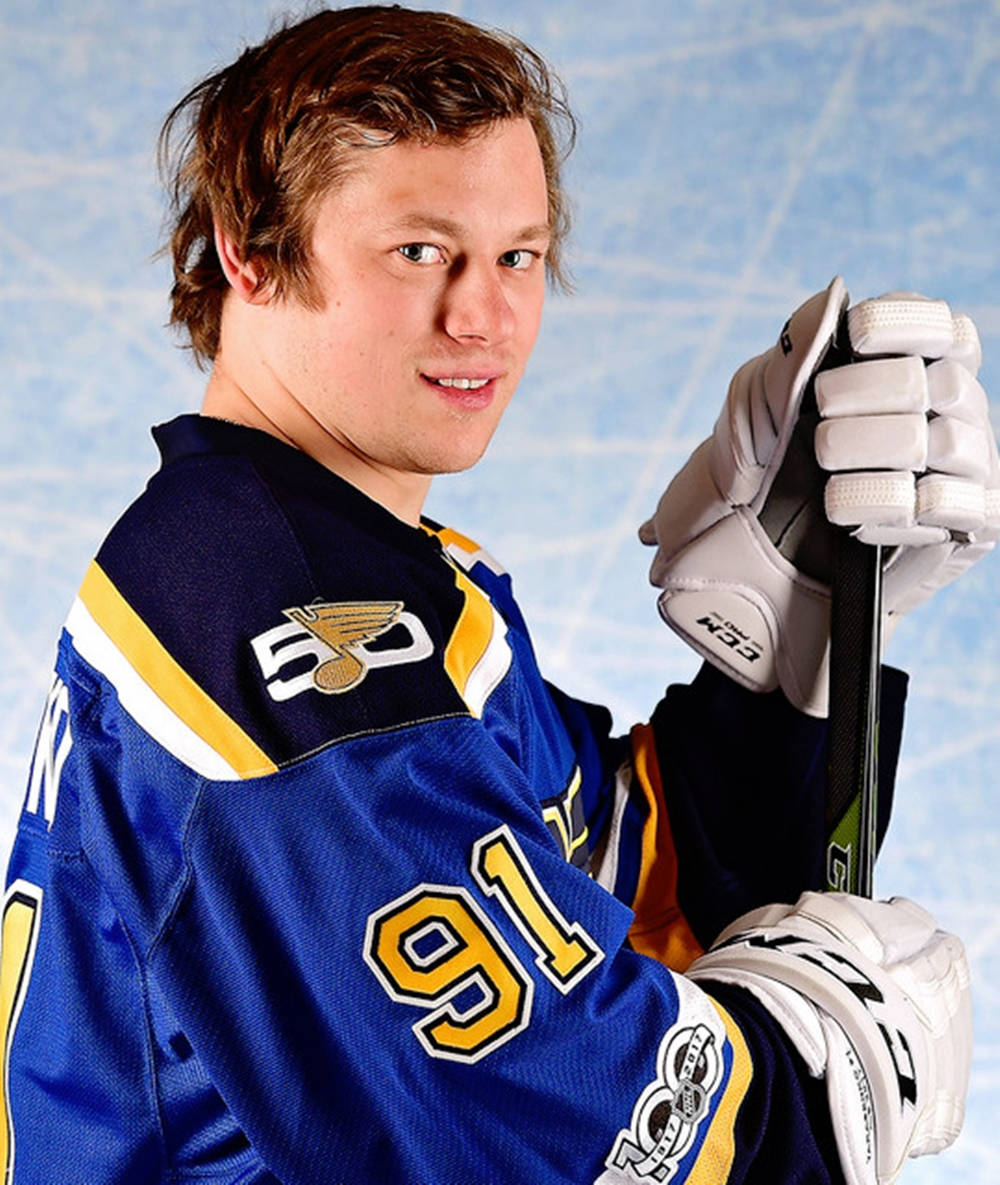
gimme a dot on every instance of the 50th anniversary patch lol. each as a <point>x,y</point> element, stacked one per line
<point>335,637</point>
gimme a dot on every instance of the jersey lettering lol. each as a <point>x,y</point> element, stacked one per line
<point>435,948</point>
<point>566,953</point>
<point>565,820</point>
<point>51,750</point>
<point>21,914</point>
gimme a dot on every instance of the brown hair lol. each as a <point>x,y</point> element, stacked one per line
<point>257,144</point>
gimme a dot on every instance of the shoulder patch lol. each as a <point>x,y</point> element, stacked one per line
<point>683,1123</point>
<point>332,638</point>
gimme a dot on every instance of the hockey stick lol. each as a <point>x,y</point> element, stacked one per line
<point>794,518</point>
<point>855,669</point>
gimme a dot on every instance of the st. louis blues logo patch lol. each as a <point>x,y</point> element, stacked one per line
<point>331,640</point>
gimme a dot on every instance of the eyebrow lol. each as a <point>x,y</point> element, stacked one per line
<point>446,226</point>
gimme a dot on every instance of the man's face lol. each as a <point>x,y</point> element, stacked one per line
<point>430,264</point>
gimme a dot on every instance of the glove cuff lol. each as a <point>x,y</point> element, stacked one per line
<point>876,999</point>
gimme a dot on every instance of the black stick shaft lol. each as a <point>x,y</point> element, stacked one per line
<point>855,667</point>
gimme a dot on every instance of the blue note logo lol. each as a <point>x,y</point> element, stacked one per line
<point>327,647</point>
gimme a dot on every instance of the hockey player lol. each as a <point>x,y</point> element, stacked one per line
<point>317,880</point>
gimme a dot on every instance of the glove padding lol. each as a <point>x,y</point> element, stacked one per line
<point>743,535</point>
<point>875,999</point>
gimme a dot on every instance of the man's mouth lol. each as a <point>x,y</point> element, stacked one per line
<point>463,384</point>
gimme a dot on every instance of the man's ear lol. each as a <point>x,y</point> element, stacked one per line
<point>243,276</point>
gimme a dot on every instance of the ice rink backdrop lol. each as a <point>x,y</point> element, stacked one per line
<point>732,157</point>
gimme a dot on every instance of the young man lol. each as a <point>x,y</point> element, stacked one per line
<point>317,880</point>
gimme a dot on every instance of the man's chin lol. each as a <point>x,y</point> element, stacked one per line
<point>454,459</point>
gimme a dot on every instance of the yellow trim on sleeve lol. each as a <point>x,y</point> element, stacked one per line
<point>449,535</point>
<point>660,929</point>
<point>715,1161</point>
<point>21,909</point>
<point>167,679</point>
<point>472,634</point>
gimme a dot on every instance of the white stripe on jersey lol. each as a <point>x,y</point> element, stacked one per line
<point>488,672</point>
<point>140,701</point>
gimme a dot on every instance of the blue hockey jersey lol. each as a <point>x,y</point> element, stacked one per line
<point>318,881</point>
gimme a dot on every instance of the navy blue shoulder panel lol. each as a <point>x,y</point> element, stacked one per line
<point>305,610</point>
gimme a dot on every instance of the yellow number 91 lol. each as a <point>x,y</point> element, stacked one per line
<point>434,947</point>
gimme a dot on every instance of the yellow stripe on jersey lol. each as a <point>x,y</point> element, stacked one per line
<point>477,655</point>
<point>168,681</point>
<point>472,635</point>
<point>17,951</point>
<point>447,536</point>
<point>464,551</point>
<point>715,1161</point>
<point>660,929</point>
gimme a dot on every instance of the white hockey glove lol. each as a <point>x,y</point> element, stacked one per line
<point>744,544</point>
<point>875,999</point>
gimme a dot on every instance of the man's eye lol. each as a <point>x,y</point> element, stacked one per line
<point>518,260</point>
<point>421,252</point>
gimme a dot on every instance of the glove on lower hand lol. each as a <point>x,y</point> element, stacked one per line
<point>876,1000</point>
<point>743,533</point>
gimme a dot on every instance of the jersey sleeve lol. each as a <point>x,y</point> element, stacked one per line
<point>373,960</point>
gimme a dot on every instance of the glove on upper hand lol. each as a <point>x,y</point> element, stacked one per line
<point>743,533</point>
<point>876,1000</point>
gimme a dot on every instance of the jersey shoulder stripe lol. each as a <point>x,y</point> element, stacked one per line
<point>477,655</point>
<point>464,551</point>
<point>154,689</point>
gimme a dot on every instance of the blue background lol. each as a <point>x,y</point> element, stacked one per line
<point>732,158</point>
